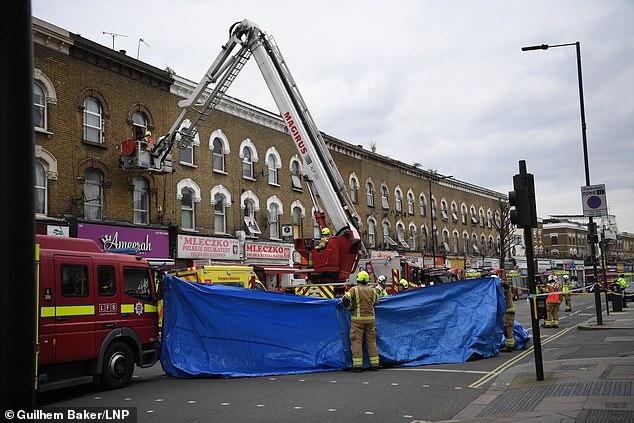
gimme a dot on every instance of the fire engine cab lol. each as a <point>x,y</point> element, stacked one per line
<point>97,314</point>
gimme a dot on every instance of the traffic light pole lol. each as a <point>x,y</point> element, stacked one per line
<point>532,288</point>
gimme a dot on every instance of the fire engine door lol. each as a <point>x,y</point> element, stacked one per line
<point>108,295</point>
<point>74,309</point>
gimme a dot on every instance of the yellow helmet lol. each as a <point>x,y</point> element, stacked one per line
<point>325,231</point>
<point>148,133</point>
<point>363,277</point>
<point>403,282</point>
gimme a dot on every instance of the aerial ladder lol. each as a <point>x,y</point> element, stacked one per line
<point>339,259</point>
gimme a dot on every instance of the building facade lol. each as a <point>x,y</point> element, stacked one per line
<point>236,195</point>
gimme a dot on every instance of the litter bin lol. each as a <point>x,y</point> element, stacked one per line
<point>617,301</point>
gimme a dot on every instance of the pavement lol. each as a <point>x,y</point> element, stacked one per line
<point>588,389</point>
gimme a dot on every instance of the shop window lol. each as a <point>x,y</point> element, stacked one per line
<point>106,281</point>
<point>74,280</point>
<point>187,209</point>
<point>41,188</point>
<point>39,106</point>
<point>141,203</point>
<point>93,120</point>
<point>93,194</point>
<point>136,283</point>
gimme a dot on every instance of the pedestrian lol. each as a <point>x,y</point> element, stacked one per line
<point>380,286</point>
<point>360,300</point>
<point>566,288</point>
<point>325,236</point>
<point>553,300</point>
<point>509,318</point>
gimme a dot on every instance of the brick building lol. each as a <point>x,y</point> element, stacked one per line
<point>237,194</point>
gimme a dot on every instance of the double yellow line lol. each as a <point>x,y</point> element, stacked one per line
<point>504,366</point>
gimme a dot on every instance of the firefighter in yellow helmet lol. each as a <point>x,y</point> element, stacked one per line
<point>360,300</point>
<point>566,289</point>
<point>325,236</point>
<point>402,285</point>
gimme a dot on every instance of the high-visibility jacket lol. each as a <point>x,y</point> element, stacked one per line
<point>322,242</point>
<point>553,298</point>
<point>622,283</point>
<point>380,291</point>
<point>362,301</point>
<point>566,288</point>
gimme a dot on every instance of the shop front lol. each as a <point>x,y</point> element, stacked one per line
<point>196,250</point>
<point>150,243</point>
<point>272,263</point>
<point>52,228</point>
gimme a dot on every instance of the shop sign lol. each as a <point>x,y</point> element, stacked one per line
<point>254,250</point>
<point>152,243</point>
<point>382,255</point>
<point>202,247</point>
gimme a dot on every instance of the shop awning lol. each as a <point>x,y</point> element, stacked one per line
<point>277,269</point>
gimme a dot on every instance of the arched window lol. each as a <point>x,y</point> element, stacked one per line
<point>423,238</point>
<point>434,236</point>
<point>474,244</point>
<point>296,214</point>
<point>93,194</point>
<point>400,234</point>
<point>296,175</point>
<point>139,124</point>
<point>354,189</point>
<point>445,241</point>
<point>274,221</point>
<point>140,201</point>
<point>247,163</point>
<point>387,239</point>
<point>93,120</point>
<point>454,242</point>
<point>481,214</point>
<point>385,197</point>
<point>218,155</point>
<point>186,154</point>
<point>498,220</point>
<point>398,200</point>
<point>465,243</point>
<point>489,218</point>
<point>463,212</point>
<point>483,244</point>
<point>454,212</point>
<point>371,232</point>
<point>433,207</point>
<point>39,106</point>
<point>271,162</point>
<point>474,218</point>
<point>422,202</point>
<point>188,220</point>
<point>490,245</point>
<point>369,194</point>
<point>410,202</point>
<point>220,214</point>
<point>443,210</point>
<point>412,237</point>
<point>41,188</point>
<point>250,207</point>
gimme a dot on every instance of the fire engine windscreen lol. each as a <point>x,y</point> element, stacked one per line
<point>220,331</point>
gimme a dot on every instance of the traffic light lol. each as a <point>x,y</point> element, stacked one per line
<point>522,199</point>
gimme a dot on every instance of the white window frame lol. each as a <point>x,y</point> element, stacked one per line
<point>372,232</point>
<point>187,209</point>
<point>43,107</point>
<point>353,184</point>
<point>142,126</point>
<point>410,203</point>
<point>218,156</point>
<point>412,237</point>
<point>271,163</point>
<point>99,115</point>
<point>220,215</point>
<point>385,201</point>
<point>274,221</point>
<point>443,210</point>
<point>138,195</point>
<point>369,194</point>
<point>422,203</point>
<point>90,202</point>
<point>39,164</point>
<point>248,162</point>
<point>296,175</point>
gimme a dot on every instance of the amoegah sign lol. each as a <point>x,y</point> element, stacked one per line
<point>151,243</point>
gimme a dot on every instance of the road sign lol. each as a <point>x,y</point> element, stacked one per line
<point>594,201</point>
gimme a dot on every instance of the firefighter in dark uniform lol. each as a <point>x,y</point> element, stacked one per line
<point>360,300</point>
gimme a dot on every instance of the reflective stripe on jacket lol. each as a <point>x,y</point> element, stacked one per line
<point>362,301</point>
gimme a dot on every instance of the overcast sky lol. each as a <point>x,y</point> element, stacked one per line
<point>443,83</point>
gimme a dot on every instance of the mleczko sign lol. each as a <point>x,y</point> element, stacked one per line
<point>200,247</point>
<point>267,251</point>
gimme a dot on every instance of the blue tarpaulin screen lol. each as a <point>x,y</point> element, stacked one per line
<point>221,331</point>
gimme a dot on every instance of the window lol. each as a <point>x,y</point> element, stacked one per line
<point>371,232</point>
<point>423,238</point>
<point>247,163</point>
<point>220,217</point>
<point>498,221</point>
<point>398,200</point>
<point>40,188</point>
<point>489,218</point>
<point>434,237</point>
<point>93,120</point>
<point>297,222</point>
<point>249,218</point>
<point>433,208</point>
<point>454,212</point>
<point>400,234</point>
<point>274,224</point>
<point>490,245</point>
<point>410,203</point>
<point>554,239</point>
<point>93,194</point>
<point>422,201</point>
<point>218,155</point>
<point>465,243</point>
<point>463,211</point>
<point>106,280</point>
<point>141,204</point>
<point>187,209</point>
<point>136,283</point>
<point>354,190</point>
<point>483,244</point>
<point>369,194</point>
<point>272,164</point>
<point>412,238</point>
<point>139,124</point>
<point>443,209</point>
<point>474,218</point>
<point>39,106</point>
<point>481,213</point>
<point>384,197</point>
<point>316,228</point>
<point>454,242</point>
<point>386,234</point>
<point>296,175</point>
<point>74,280</point>
<point>187,155</point>
<point>474,244</point>
<point>445,241</point>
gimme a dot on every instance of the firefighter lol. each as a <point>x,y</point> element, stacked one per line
<point>149,139</point>
<point>509,317</point>
<point>361,299</point>
<point>325,236</point>
<point>402,285</point>
<point>553,300</point>
<point>380,286</point>
<point>566,289</point>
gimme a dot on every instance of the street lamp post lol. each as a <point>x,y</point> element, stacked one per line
<point>431,214</point>
<point>591,225</point>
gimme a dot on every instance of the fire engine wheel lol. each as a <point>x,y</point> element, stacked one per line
<point>118,366</point>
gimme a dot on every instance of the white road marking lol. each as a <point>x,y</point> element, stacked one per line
<point>332,410</point>
<point>191,402</point>
<point>260,405</point>
<point>369,412</point>
<point>302,380</point>
<point>297,408</point>
<point>272,378</point>
<point>416,369</point>
<point>395,384</point>
<point>365,383</point>
<point>407,416</point>
<point>149,411</point>
<point>159,400</point>
<point>226,403</point>
<point>127,399</point>
<point>97,398</point>
<point>333,381</point>
<point>457,388</point>
<point>425,386</point>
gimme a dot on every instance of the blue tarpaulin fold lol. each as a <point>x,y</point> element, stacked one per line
<point>221,331</point>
